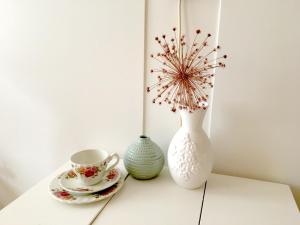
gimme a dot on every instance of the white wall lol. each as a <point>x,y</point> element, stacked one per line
<point>71,78</point>
<point>255,119</point>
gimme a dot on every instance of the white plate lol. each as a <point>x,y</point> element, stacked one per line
<point>70,182</point>
<point>65,196</point>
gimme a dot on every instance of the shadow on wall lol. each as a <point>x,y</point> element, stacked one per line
<point>26,132</point>
<point>7,193</point>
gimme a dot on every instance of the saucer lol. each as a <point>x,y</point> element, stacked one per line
<point>58,193</point>
<point>71,183</point>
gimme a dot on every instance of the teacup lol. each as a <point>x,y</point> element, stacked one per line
<point>91,165</point>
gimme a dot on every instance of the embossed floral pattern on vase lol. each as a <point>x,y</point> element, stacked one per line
<point>186,157</point>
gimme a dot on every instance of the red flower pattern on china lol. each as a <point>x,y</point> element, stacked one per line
<point>88,171</point>
<point>106,191</point>
<point>112,174</point>
<point>63,194</point>
<point>71,174</point>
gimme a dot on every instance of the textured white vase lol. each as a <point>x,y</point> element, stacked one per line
<point>190,158</point>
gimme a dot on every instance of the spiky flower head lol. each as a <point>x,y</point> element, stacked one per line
<point>185,72</point>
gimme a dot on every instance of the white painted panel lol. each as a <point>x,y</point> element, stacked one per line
<point>255,119</point>
<point>160,123</point>
<point>71,78</point>
<point>236,201</point>
<point>158,201</point>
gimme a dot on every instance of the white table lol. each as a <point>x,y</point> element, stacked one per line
<point>225,200</point>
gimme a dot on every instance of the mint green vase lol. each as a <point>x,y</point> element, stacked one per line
<point>144,159</point>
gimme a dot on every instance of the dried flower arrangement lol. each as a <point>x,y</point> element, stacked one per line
<point>185,72</point>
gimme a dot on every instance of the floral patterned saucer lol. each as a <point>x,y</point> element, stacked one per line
<point>70,182</point>
<point>65,196</point>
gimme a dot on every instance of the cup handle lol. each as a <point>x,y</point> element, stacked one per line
<point>111,157</point>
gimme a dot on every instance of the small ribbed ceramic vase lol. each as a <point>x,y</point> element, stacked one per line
<point>144,159</point>
<point>189,156</point>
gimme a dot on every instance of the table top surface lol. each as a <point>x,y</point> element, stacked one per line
<point>223,200</point>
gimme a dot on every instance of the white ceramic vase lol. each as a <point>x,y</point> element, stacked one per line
<point>190,158</point>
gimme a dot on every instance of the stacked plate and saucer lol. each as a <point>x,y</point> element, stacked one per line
<point>91,179</point>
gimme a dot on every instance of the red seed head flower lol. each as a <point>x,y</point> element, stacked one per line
<point>185,72</point>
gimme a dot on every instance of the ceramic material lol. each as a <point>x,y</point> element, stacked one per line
<point>91,165</point>
<point>70,182</point>
<point>190,159</point>
<point>64,196</point>
<point>144,159</point>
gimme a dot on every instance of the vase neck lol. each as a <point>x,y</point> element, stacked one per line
<point>144,139</point>
<point>192,121</point>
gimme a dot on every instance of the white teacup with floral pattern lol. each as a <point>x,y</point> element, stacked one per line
<point>91,165</point>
